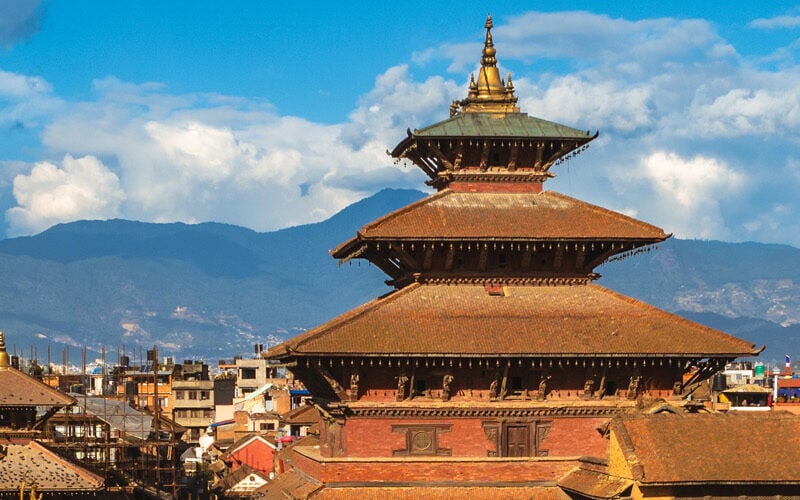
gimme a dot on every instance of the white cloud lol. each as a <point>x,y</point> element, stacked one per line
<point>577,101</point>
<point>775,22</point>
<point>199,157</point>
<point>25,100</point>
<point>686,192</point>
<point>754,112</point>
<point>82,188</point>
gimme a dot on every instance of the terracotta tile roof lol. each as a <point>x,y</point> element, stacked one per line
<point>290,484</point>
<point>34,462</point>
<point>594,484</point>
<point>302,415</point>
<point>244,440</point>
<point>717,448</point>
<point>789,382</point>
<point>529,320</point>
<point>19,389</point>
<point>490,492</point>
<point>233,479</point>
<point>520,216</point>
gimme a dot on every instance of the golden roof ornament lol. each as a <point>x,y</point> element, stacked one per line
<point>489,94</point>
<point>5,361</point>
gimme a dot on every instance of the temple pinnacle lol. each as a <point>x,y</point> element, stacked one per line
<point>489,52</point>
<point>5,361</point>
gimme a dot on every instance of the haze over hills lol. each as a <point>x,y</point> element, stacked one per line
<point>210,291</point>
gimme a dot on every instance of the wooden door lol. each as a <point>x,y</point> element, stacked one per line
<point>517,441</point>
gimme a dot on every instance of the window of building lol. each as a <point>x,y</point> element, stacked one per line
<point>179,395</point>
<point>267,427</point>
<point>247,373</point>
<point>204,394</point>
<point>192,394</point>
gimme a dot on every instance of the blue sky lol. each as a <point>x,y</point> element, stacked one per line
<point>268,115</point>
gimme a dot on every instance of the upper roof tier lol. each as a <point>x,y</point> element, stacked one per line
<point>487,137</point>
<point>497,235</point>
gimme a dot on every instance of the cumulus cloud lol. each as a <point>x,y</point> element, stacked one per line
<point>685,192</point>
<point>18,20</point>
<point>25,100</point>
<point>198,157</point>
<point>81,188</point>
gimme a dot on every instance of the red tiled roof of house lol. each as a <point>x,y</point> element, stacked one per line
<point>268,438</point>
<point>712,448</point>
<point>788,382</point>
<point>290,484</point>
<point>36,463</point>
<point>584,320</point>
<point>302,415</point>
<point>531,216</point>
<point>19,389</point>
<point>593,484</point>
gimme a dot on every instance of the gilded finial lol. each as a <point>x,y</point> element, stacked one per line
<point>488,93</point>
<point>5,361</point>
<point>489,52</point>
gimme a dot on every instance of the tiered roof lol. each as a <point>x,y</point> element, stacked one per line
<point>528,321</point>
<point>36,464</point>
<point>20,390</point>
<point>454,215</point>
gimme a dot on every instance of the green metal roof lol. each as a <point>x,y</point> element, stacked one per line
<point>501,125</point>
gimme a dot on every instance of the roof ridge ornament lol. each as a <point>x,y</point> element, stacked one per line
<point>5,361</point>
<point>488,94</point>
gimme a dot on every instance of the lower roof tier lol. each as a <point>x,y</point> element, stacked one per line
<point>526,321</point>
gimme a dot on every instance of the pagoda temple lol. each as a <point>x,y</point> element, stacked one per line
<point>26,464</point>
<point>496,362</point>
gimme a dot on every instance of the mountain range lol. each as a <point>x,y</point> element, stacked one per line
<point>211,291</point>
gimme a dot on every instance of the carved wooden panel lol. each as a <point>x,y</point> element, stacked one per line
<point>422,439</point>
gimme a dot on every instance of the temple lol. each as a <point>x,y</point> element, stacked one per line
<point>27,465</point>
<point>496,366</point>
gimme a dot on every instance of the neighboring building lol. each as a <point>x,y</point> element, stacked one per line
<point>109,436</point>
<point>490,368</point>
<point>241,483</point>
<point>193,398</point>
<point>256,451</point>
<point>697,456</point>
<point>25,406</point>
<point>300,420</point>
<point>253,374</point>
<point>142,385</point>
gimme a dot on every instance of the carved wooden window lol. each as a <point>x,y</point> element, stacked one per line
<point>422,440</point>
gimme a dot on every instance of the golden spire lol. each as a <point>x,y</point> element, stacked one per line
<point>5,361</point>
<point>489,94</point>
<point>489,81</point>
